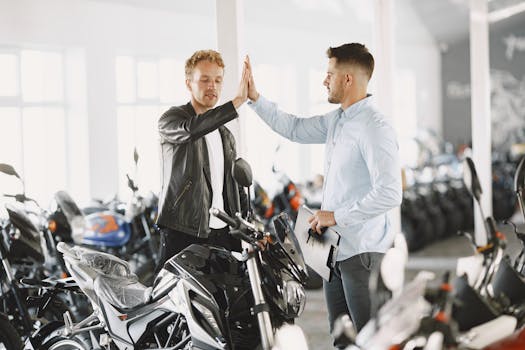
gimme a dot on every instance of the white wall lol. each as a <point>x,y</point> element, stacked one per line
<point>99,30</point>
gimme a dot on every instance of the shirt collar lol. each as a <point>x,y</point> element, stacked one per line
<point>355,108</point>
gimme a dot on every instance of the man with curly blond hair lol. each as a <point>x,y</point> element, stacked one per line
<point>197,153</point>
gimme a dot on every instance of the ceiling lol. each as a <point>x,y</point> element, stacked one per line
<point>448,20</point>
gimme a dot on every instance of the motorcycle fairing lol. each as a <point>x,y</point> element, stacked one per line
<point>222,281</point>
<point>470,309</point>
<point>27,244</point>
<point>508,282</point>
<point>67,205</point>
<point>288,249</point>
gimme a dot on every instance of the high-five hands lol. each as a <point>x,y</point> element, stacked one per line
<point>242,92</point>
<point>246,85</point>
<point>252,91</point>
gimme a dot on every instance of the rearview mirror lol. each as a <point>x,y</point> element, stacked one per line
<point>8,169</point>
<point>242,172</point>
<point>471,179</point>
<point>400,243</point>
<point>393,269</point>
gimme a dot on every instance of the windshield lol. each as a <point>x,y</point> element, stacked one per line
<point>20,219</point>
<point>67,205</point>
<point>287,240</point>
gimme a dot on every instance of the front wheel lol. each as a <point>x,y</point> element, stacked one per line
<point>56,341</point>
<point>9,338</point>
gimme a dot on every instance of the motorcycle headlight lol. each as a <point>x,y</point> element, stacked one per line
<point>295,297</point>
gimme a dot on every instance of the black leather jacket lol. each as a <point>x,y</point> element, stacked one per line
<point>186,193</point>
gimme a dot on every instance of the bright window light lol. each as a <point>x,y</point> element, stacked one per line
<point>148,80</point>
<point>260,138</point>
<point>159,85</point>
<point>167,81</point>
<point>125,76</point>
<point>32,128</point>
<point>9,75</point>
<point>10,153</point>
<point>137,128</point>
<point>44,150</point>
<point>42,76</point>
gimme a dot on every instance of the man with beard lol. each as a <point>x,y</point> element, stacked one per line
<point>361,170</point>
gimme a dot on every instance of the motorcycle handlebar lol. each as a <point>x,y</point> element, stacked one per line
<point>237,225</point>
<point>224,217</point>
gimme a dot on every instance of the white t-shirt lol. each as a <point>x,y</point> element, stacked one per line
<point>216,158</point>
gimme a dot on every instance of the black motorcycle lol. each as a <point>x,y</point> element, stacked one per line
<point>23,258</point>
<point>205,297</point>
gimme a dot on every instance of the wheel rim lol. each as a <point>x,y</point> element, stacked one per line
<point>66,344</point>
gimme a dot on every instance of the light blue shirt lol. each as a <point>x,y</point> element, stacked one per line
<point>362,173</point>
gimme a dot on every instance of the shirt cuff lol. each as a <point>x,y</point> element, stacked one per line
<point>258,103</point>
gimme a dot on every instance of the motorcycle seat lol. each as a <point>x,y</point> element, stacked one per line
<point>113,279</point>
<point>101,263</point>
<point>123,293</point>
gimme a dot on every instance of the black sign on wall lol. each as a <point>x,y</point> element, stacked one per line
<point>507,71</point>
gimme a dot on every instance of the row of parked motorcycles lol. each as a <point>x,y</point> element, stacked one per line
<point>436,204</point>
<point>78,297</point>
<point>482,308</point>
<point>203,298</point>
<point>29,240</point>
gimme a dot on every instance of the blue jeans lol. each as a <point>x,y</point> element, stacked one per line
<point>347,292</point>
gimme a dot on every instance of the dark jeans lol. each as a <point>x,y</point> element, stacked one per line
<point>172,242</point>
<point>347,292</point>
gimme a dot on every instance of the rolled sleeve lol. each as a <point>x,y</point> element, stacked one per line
<point>301,130</point>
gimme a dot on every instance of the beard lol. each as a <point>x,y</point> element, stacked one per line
<point>335,93</point>
<point>333,99</point>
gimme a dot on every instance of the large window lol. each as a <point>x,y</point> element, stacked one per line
<point>32,121</point>
<point>264,148</point>
<point>146,87</point>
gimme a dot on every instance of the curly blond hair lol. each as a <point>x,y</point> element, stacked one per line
<point>202,55</point>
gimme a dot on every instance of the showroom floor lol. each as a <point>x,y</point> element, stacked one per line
<point>437,257</point>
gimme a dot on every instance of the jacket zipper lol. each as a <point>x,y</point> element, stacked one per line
<point>186,188</point>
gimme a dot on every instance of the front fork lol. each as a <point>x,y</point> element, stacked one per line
<point>260,307</point>
<point>147,232</point>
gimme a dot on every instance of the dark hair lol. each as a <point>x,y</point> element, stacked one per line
<point>202,55</point>
<point>354,54</point>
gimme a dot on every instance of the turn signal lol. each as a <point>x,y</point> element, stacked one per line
<point>52,226</point>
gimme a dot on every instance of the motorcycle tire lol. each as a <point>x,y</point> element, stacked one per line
<point>55,341</point>
<point>9,338</point>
